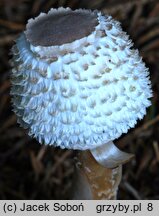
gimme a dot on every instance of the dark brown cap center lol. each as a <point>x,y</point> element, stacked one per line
<point>58,29</point>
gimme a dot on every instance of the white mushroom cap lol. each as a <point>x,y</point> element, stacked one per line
<point>81,87</point>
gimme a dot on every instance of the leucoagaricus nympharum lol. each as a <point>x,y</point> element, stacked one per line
<point>77,83</point>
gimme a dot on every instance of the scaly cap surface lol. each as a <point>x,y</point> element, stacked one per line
<point>81,89</point>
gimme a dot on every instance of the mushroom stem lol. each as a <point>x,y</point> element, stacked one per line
<point>108,155</point>
<point>93,181</point>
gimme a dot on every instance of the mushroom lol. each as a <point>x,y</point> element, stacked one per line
<point>77,83</point>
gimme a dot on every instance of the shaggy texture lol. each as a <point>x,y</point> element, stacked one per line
<point>81,94</point>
